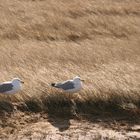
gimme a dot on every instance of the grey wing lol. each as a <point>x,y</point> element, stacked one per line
<point>66,85</point>
<point>5,87</point>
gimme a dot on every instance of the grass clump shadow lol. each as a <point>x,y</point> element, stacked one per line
<point>54,104</point>
<point>6,106</point>
<point>32,104</point>
<point>62,105</point>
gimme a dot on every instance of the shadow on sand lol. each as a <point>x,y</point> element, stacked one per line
<point>59,113</point>
<point>62,123</point>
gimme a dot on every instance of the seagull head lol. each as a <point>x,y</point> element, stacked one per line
<point>17,81</point>
<point>77,79</point>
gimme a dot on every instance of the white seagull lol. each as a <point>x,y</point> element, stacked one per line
<point>70,86</point>
<point>11,87</point>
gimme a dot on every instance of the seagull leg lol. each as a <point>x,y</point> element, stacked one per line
<point>70,96</point>
<point>73,105</point>
<point>74,108</point>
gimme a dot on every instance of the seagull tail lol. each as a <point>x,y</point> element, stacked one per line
<point>53,85</point>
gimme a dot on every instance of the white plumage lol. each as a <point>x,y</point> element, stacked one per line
<point>70,86</point>
<point>11,87</point>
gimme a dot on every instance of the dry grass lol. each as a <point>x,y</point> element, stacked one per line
<point>44,41</point>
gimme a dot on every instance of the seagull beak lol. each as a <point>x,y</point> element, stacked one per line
<point>22,82</point>
<point>82,80</point>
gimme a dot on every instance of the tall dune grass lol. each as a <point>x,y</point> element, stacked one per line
<point>47,41</point>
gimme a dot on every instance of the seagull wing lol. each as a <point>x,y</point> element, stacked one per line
<point>65,85</point>
<point>5,87</point>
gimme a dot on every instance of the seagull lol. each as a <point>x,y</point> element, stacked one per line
<point>70,86</point>
<point>11,87</point>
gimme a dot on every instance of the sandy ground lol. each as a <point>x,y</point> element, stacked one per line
<point>39,127</point>
<point>45,41</point>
